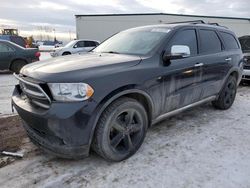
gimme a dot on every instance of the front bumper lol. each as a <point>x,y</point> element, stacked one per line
<point>246,74</point>
<point>63,130</point>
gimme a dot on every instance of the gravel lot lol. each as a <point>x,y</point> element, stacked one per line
<point>202,147</point>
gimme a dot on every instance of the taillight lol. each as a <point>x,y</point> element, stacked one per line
<point>37,54</point>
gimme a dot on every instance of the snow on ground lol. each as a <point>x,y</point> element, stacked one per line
<point>7,83</point>
<point>202,147</point>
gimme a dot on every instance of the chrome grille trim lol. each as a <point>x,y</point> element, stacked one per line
<point>40,94</point>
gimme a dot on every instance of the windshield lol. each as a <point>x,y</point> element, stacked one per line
<point>70,44</point>
<point>133,41</point>
<point>245,44</point>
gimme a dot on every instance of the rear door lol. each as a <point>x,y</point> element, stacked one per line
<point>183,76</point>
<point>214,60</point>
<point>6,55</point>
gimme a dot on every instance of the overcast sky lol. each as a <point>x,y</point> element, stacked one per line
<point>59,14</point>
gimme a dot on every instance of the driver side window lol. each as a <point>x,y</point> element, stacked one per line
<point>79,44</point>
<point>186,38</point>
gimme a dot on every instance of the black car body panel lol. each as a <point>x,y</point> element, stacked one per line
<point>163,87</point>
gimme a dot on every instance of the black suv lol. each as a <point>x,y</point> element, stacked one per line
<point>106,99</point>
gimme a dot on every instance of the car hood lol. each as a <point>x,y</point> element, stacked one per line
<point>78,67</point>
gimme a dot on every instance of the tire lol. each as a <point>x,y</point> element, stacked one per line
<point>227,94</point>
<point>17,65</point>
<point>66,53</point>
<point>120,130</point>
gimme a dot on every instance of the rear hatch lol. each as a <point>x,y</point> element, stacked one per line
<point>245,45</point>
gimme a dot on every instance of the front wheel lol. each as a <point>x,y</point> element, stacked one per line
<point>227,95</point>
<point>121,130</point>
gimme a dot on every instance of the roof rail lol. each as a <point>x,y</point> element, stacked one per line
<point>198,22</point>
<point>217,25</point>
<point>192,22</point>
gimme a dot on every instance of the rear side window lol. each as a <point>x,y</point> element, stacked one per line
<point>5,48</point>
<point>229,40</point>
<point>90,44</point>
<point>210,42</point>
<point>187,38</point>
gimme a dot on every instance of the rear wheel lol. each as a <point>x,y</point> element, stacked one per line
<point>227,95</point>
<point>17,65</point>
<point>121,130</point>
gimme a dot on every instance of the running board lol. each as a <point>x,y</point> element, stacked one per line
<point>174,112</point>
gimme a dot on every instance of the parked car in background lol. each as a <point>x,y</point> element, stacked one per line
<point>245,45</point>
<point>49,45</point>
<point>75,46</point>
<point>14,57</point>
<point>107,98</point>
<point>15,39</point>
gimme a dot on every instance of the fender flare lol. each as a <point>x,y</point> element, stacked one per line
<point>101,107</point>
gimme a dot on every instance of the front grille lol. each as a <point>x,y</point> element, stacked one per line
<point>34,92</point>
<point>247,63</point>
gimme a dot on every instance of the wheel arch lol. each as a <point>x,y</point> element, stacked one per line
<point>66,52</point>
<point>17,59</point>
<point>126,91</point>
<point>234,72</point>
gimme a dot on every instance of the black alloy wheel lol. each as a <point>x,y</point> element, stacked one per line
<point>227,94</point>
<point>121,129</point>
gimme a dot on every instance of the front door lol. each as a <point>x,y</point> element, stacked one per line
<point>182,80</point>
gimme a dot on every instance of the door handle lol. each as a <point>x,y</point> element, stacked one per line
<point>228,59</point>
<point>198,64</point>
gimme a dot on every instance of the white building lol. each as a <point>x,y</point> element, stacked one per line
<point>101,26</point>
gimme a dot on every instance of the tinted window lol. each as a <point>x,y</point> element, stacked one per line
<point>187,38</point>
<point>229,40</point>
<point>90,44</point>
<point>18,40</point>
<point>210,42</point>
<point>79,44</point>
<point>5,48</point>
<point>245,44</point>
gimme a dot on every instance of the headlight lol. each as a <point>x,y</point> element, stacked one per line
<point>71,91</point>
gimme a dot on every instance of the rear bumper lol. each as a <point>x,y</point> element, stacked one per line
<point>63,129</point>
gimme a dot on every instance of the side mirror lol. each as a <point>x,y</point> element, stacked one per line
<point>177,52</point>
<point>75,46</point>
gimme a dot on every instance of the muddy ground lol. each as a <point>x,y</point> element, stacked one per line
<point>11,137</point>
<point>202,147</point>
